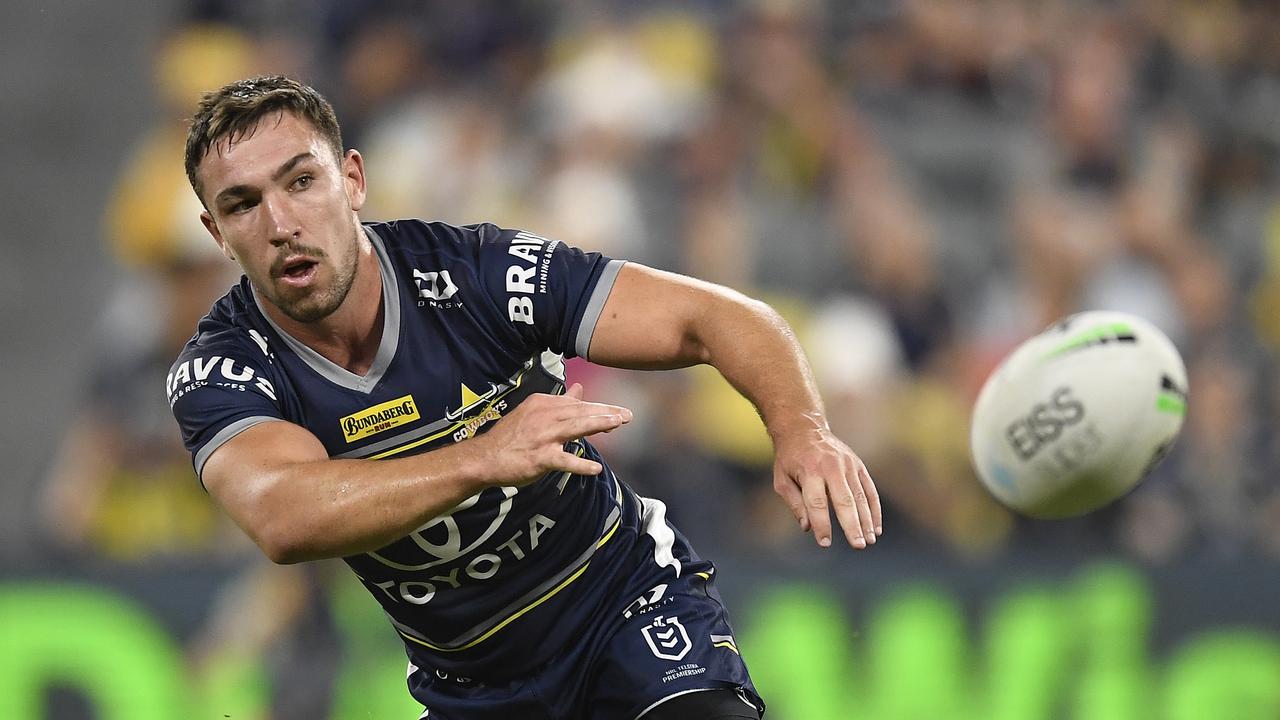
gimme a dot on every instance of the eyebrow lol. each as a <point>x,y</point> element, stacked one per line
<point>280,172</point>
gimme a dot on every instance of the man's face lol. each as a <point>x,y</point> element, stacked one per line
<point>280,204</point>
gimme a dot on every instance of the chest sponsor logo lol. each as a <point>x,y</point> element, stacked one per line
<point>464,547</point>
<point>379,418</point>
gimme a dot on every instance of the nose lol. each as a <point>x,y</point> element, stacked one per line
<point>282,223</point>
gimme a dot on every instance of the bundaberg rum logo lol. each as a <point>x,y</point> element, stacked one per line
<point>378,418</point>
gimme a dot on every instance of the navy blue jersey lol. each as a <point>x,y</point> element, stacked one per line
<point>476,319</point>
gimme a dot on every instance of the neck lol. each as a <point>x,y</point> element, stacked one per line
<point>349,336</point>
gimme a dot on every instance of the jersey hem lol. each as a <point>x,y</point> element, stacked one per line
<point>672,696</point>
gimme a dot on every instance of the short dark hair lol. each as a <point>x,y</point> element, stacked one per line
<point>235,109</point>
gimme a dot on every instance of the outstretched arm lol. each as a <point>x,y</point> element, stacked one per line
<point>279,485</point>
<point>655,319</point>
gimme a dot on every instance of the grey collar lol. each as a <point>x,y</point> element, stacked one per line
<point>386,347</point>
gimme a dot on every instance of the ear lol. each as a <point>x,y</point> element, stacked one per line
<point>353,178</point>
<point>212,227</point>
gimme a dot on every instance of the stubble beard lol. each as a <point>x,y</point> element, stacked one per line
<point>323,302</point>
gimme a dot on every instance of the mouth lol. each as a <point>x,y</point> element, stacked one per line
<point>298,271</point>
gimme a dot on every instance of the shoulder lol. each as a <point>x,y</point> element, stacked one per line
<point>230,325</point>
<point>414,235</point>
<point>426,250</point>
<point>227,344</point>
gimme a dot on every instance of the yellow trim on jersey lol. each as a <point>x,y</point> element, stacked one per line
<point>579,451</point>
<point>507,621</point>
<point>454,427</point>
<point>609,534</point>
<point>726,645</point>
<point>511,618</point>
<point>704,575</point>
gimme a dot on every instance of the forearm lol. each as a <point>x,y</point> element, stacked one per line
<point>655,319</point>
<point>814,472</point>
<point>308,510</point>
<point>277,483</point>
<point>757,352</point>
<point>659,320</point>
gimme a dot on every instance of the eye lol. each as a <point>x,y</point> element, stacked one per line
<point>241,207</point>
<point>303,182</point>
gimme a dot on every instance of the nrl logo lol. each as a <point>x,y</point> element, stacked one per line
<point>667,638</point>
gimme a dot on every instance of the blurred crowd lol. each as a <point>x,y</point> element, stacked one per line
<point>917,185</point>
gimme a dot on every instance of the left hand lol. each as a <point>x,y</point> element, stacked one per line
<point>817,471</point>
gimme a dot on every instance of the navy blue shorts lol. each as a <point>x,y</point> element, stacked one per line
<point>673,638</point>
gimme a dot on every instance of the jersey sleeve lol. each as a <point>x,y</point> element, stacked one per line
<point>217,391</point>
<point>550,293</point>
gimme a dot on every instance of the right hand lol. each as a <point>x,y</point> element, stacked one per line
<point>529,443</point>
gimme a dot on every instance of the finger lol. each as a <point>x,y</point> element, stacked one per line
<point>873,497</point>
<point>588,409</point>
<point>844,501</point>
<point>814,492</point>
<point>575,391</point>
<point>577,465</point>
<point>790,494</point>
<point>862,502</point>
<point>584,425</point>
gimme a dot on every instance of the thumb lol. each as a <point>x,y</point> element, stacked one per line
<point>575,391</point>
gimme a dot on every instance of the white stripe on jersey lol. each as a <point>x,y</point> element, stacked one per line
<point>553,363</point>
<point>654,522</point>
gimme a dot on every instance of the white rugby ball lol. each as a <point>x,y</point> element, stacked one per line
<point>1076,416</point>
